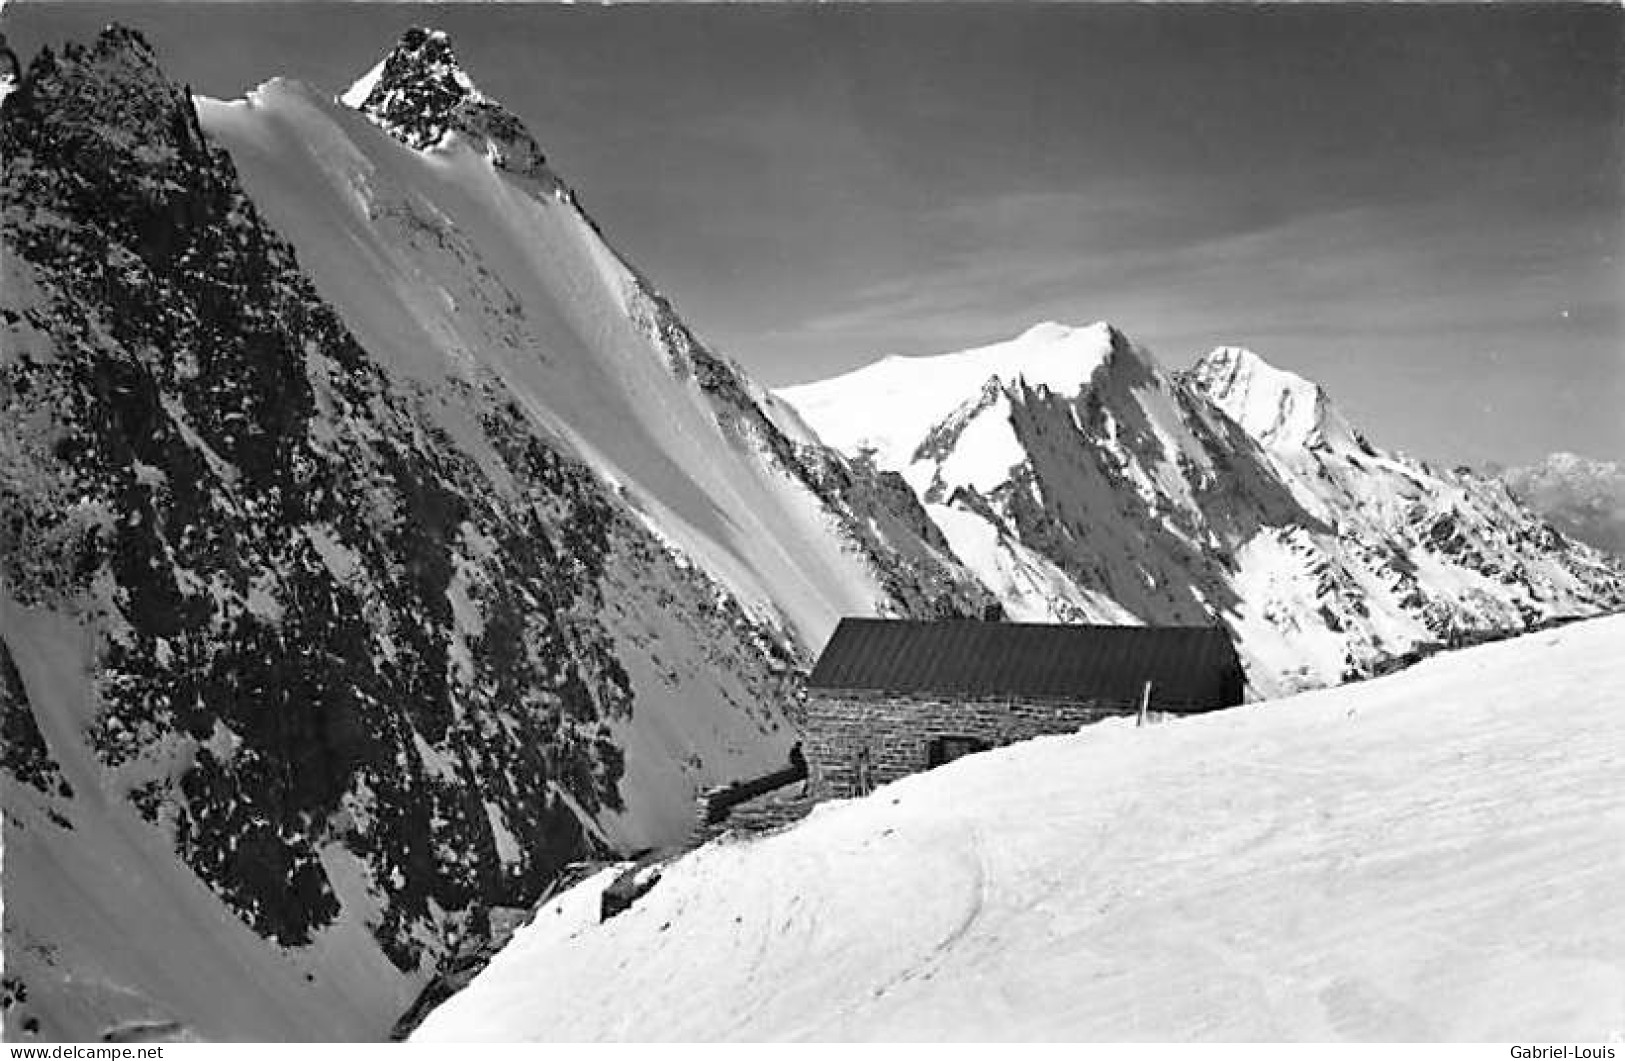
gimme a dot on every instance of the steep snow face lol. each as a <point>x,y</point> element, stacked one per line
<point>1434,855</point>
<point>1235,493</point>
<point>448,263</point>
<point>1583,498</point>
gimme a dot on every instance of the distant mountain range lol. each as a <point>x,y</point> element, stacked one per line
<point>375,541</point>
<point>1082,481</point>
<point>1583,498</point>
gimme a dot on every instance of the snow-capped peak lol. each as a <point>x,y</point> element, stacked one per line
<point>890,405</point>
<point>1280,409</point>
<point>418,93</point>
<point>421,63</point>
<point>1047,332</point>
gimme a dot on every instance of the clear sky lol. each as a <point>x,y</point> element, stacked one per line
<point>1421,207</point>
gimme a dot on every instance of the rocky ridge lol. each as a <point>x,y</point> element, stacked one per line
<point>367,652</point>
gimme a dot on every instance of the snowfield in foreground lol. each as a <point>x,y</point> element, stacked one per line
<point>1439,854</point>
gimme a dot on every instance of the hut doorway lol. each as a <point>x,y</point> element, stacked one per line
<point>946,749</point>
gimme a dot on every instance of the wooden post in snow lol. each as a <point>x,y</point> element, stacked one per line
<point>1145,704</point>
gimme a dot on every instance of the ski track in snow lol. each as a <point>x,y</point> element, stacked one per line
<point>1435,855</point>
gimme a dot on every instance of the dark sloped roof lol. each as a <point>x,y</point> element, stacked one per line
<point>1187,664</point>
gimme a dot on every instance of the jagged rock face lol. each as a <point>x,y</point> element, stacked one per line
<point>419,93</point>
<point>325,623</point>
<point>370,636</point>
<point>281,539</point>
<point>1585,499</point>
<point>1082,481</point>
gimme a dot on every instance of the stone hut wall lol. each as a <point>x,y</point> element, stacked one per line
<point>897,731</point>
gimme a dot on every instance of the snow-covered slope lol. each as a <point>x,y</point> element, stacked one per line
<point>1583,498</point>
<point>355,585</point>
<point>1080,480</point>
<point>1434,855</point>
